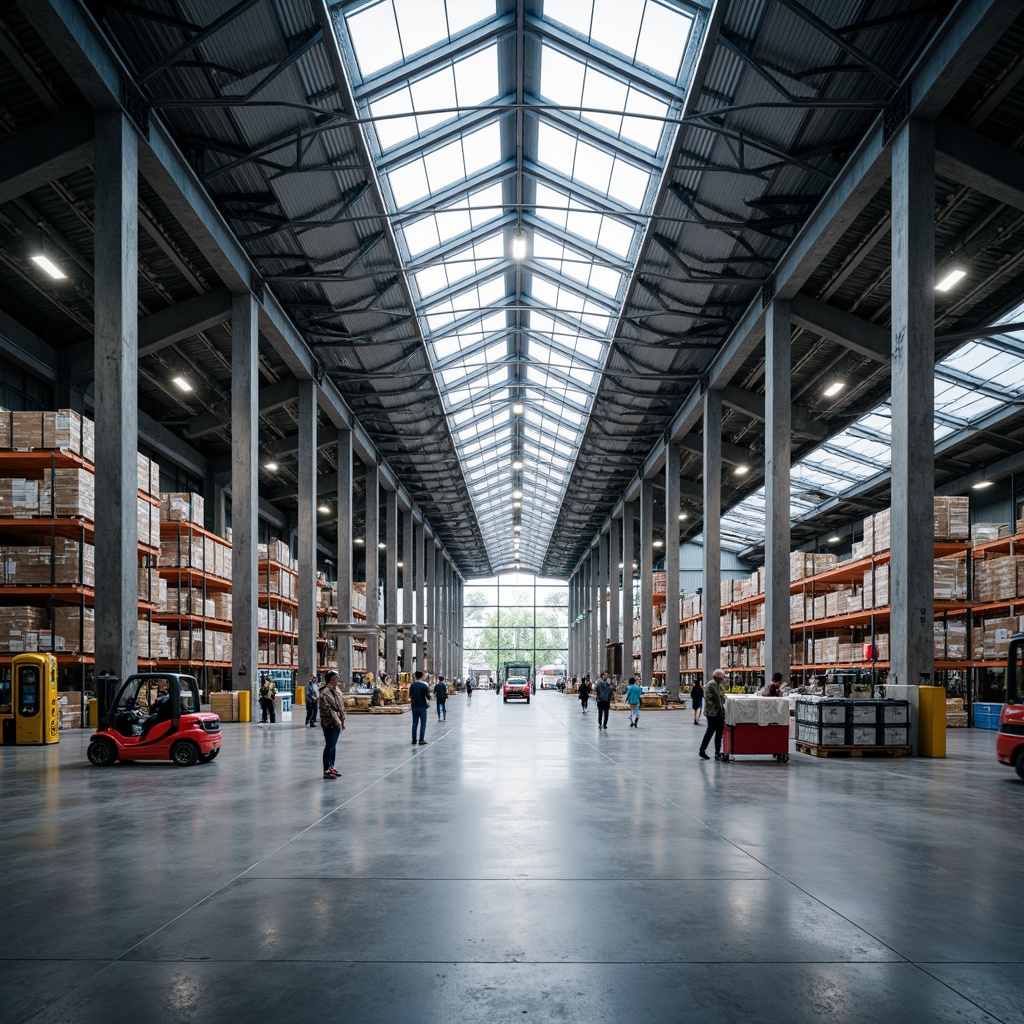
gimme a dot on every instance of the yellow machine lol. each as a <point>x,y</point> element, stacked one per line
<point>28,703</point>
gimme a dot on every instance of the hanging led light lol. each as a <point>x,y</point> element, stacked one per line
<point>518,245</point>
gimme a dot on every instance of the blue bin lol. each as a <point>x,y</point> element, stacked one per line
<point>986,716</point>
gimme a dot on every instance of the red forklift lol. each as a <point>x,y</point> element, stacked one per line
<point>153,716</point>
<point>1010,740</point>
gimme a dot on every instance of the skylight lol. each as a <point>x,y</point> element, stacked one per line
<point>966,384</point>
<point>434,80</point>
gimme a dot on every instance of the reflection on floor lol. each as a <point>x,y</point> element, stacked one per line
<point>523,866</point>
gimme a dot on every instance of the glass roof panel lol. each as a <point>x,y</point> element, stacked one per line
<point>470,81</point>
<point>538,335</point>
<point>572,83</point>
<point>649,33</point>
<point>438,168</point>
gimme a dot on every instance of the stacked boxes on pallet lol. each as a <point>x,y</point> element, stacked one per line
<point>840,722</point>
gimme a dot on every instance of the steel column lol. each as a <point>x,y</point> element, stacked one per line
<point>646,582</point>
<point>345,573</point>
<point>116,406</point>
<point>711,604</point>
<point>911,566</point>
<point>244,492</point>
<point>673,467</point>
<point>307,513</point>
<point>778,443</point>
<point>391,612</point>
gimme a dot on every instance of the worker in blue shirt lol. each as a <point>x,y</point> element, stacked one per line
<point>633,693</point>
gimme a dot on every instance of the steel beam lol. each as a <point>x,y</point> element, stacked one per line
<point>272,397</point>
<point>38,155</point>
<point>844,328</point>
<point>184,320</point>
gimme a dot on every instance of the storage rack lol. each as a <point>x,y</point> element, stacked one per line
<point>183,539</point>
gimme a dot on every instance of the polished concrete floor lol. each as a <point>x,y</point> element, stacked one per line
<point>523,866</point>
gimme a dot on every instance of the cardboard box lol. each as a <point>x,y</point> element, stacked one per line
<point>225,705</point>
<point>64,429</point>
<point>184,508</point>
<point>19,497</point>
<point>68,494</point>
<point>78,628</point>
<point>63,562</point>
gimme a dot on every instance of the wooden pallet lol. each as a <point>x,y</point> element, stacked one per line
<point>860,751</point>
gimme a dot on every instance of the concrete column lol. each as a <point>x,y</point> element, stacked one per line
<point>615,599</point>
<point>628,607</point>
<point>602,600</point>
<point>408,590</point>
<point>595,615</point>
<point>372,560</point>
<point>673,468</point>
<point>420,570</point>
<point>449,616</point>
<point>430,563</point>
<point>442,612</point>
<point>117,373</point>
<point>307,595</point>
<point>570,634</point>
<point>391,611</point>
<point>345,574</point>
<point>646,581</point>
<point>778,443</point>
<point>244,492</point>
<point>911,567</point>
<point>711,605</point>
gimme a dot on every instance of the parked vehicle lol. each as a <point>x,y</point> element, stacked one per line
<point>153,717</point>
<point>1010,738</point>
<point>516,688</point>
<point>549,676</point>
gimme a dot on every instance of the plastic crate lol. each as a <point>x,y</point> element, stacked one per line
<point>986,716</point>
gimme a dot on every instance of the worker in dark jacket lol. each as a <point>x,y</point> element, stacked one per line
<point>419,698</point>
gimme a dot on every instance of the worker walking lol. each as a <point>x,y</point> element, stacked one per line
<point>714,712</point>
<point>268,694</point>
<point>332,718</point>
<point>419,698</point>
<point>633,694</point>
<point>441,696</point>
<point>312,696</point>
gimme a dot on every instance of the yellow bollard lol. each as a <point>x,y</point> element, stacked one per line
<point>244,706</point>
<point>93,713</point>
<point>931,721</point>
<point>300,695</point>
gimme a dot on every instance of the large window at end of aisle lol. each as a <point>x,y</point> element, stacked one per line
<point>517,618</point>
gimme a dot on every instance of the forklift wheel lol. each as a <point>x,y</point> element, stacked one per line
<point>207,758</point>
<point>184,754</point>
<point>102,753</point>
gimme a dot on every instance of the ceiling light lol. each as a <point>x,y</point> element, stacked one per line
<point>833,539</point>
<point>382,546</point>
<point>620,565</point>
<point>182,383</point>
<point>400,564</point>
<point>741,471</point>
<point>981,485</point>
<point>270,467</point>
<point>517,408</point>
<point>49,266</point>
<point>325,509</point>
<point>517,464</point>
<point>358,540</point>
<point>517,504</point>
<point>834,388</point>
<point>518,245</point>
<point>950,279</point>
<point>517,527</point>
<point>659,543</point>
<point>517,494</point>
<point>683,515</point>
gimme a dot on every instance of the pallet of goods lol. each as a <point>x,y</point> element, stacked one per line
<point>834,725</point>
